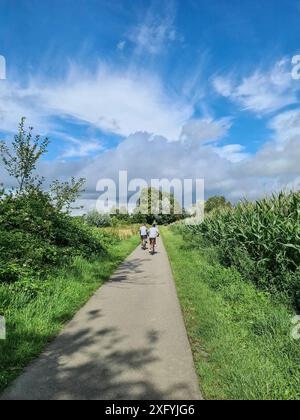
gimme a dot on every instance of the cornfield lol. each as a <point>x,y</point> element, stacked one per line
<point>261,239</point>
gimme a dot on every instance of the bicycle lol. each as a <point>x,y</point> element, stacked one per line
<point>144,244</point>
<point>152,246</point>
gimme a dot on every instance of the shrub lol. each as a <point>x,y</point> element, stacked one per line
<point>35,236</point>
<point>97,219</point>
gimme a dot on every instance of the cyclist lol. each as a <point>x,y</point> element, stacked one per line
<point>144,236</point>
<point>153,235</point>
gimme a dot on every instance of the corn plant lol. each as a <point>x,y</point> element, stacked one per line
<point>267,233</point>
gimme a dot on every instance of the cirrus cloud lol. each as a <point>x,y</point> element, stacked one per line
<point>114,101</point>
<point>262,92</point>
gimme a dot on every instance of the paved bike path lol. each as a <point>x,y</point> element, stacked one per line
<point>128,342</point>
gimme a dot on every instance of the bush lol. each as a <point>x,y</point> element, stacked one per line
<point>35,236</point>
<point>97,219</point>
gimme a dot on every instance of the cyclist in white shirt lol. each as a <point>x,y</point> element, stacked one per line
<point>144,236</point>
<point>153,235</point>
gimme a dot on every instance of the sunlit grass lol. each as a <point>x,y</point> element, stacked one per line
<point>122,232</point>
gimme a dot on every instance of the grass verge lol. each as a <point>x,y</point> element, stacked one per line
<point>36,315</point>
<point>240,338</point>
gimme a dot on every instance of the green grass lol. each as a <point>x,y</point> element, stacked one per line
<point>240,338</point>
<point>35,315</point>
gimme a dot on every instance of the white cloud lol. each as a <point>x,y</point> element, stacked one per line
<point>114,101</point>
<point>80,148</point>
<point>120,103</point>
<point>121,45</point>
<point>279,158</point>
<point>262,92</point>
<point>227,169</point>
<point>147,157</point>
<point>199,153</point>
<point>286,126</point>
<point>157,30</point>
<point>168,141</point>
<point>223,86</point>
<point>205,130</point>
<point>233,152</point>
<point>17,102</point>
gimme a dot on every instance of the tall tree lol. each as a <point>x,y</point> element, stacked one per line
<point>20,159</point>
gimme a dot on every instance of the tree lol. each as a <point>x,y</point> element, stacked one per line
<point>2,191</point>
<point>159,206</point>
<point>216,203</point>
<point>149,202</point>
<point>20,162</point>
<point>138,218</point>
<point>65,193</point>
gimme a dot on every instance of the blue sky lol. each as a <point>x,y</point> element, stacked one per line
<point>210,79</point>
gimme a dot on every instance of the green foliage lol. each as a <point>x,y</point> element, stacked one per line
<point>158,206</point>
<point>20,160</point>
<point>36,311</point>
<point>139,218</point>
<point>261,239</point>
<point>97,219</point>
<point>216,203</point>
<point>35,236</point>
<point>50,262</point>
<point>65,193</point>
<point>120,216</point>
<point>152,206</point>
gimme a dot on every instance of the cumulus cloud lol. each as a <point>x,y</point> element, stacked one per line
<point>227,169</point>
<point>148,156</point>
<point>262,92</point>
<point>196,155</point>
<point>199,152</point>
<point>279,158</point>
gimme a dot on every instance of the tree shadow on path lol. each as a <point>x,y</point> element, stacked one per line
<point>75,368</point>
